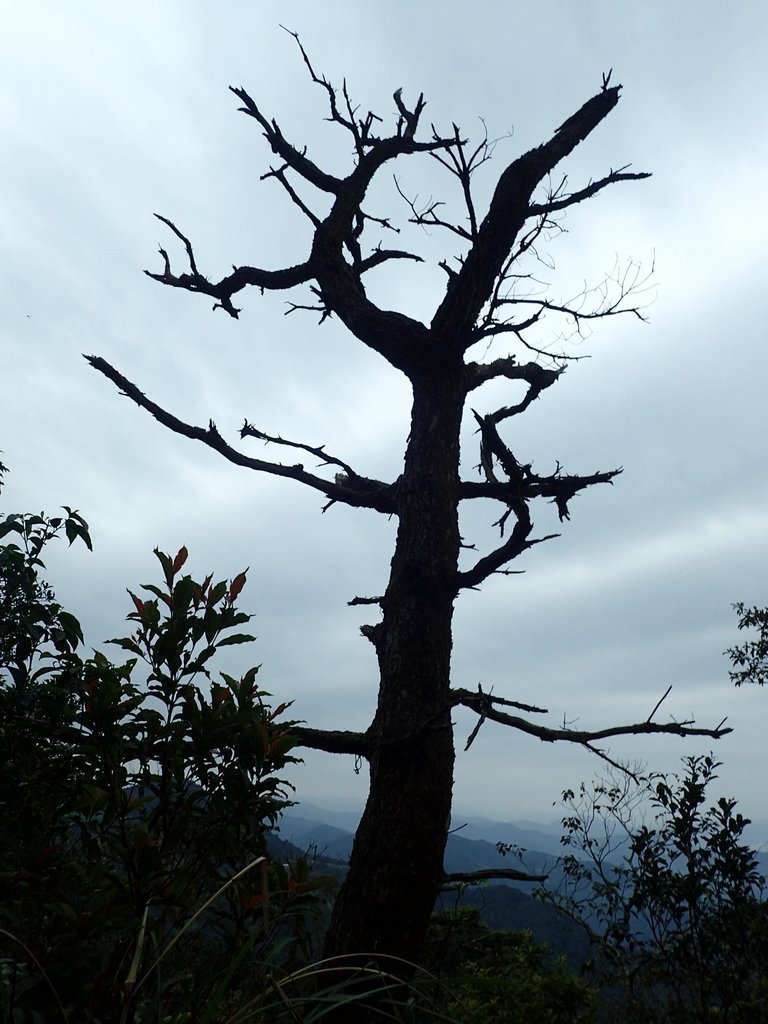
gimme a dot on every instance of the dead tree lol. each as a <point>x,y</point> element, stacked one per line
<point>396,866</point>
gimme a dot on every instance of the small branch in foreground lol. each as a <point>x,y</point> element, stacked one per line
<point>486,874</point>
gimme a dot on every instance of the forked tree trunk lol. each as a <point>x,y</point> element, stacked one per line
<point>386,901</point>
<point>396,865</point>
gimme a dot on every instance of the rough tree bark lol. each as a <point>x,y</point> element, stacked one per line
<point>396,867</point>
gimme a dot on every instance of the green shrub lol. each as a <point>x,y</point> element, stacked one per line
<point>674,905</point>
<point>134,801</point>
<point>502,977</point>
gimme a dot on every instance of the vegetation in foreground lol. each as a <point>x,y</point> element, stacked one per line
<point>136,885</point>
<point>665,885</point>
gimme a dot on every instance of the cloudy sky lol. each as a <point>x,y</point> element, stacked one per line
<point>112,112</point>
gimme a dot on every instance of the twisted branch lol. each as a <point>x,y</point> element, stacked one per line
<point>363,494</point>
<point>483,704</point>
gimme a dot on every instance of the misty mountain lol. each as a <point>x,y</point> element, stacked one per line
<point>503,905</point>
<point>471,846</point>
<point>462,852</point>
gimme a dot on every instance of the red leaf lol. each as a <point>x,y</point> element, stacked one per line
<point>236,585</point>
<point>180,559</point>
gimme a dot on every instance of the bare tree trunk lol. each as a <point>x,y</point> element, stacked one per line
<point>389,893</point>
<point>397,861</point>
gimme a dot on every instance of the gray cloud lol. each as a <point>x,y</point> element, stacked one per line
<point>113,114</point>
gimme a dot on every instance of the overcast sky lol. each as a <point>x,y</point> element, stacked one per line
<point>112,112</point>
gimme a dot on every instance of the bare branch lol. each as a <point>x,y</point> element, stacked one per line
<point>628,283</point>
<point>455,160</point>
<point>427,217</point>
<point>184,239</point>
<point>536,376</point>
<point>479,697</point>
<point>322,81</point>
<point>625,769</point>
<point>475,731</point>
<point>617,294</point>
<point>364,494</point>
<point>590,190</point>
<point>379,256</point>
<point>472,287</point>
<point>399,338</point>
<point>486,700</point>
<point>485,875</point>
<point>332,741</point>
<point>561,487</point>
<point>521,487</point>
<point>248,430</point>
<point>296,160</point>
<point>295,307</point>
<point>279,174</point>
<point>660,701</point>
<point>409,119</point>
<point>493,563</point>
<point>224,289</point>
<point>484,705</point>
<point>490,323</point>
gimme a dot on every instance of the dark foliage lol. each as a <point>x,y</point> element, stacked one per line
<point>133,811</point>
<point>675,907</point>
<point>502,977</point>
<point>750,659</point>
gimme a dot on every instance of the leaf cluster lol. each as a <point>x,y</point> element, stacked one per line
<point>674,904</point>
<point>34,628</point>
<point>134,801</point>
<point>502,977</point>
<point>750,659</point>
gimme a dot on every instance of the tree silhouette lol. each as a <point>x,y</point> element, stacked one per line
<point>396,866</point>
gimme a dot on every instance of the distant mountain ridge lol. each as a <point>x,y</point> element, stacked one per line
<point>462,853</point>
<point>503,904</point>
<point>526,834</point>
<point>478,826</point>
<point>471,843</point>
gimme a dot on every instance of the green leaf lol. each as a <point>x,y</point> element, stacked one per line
<point>128,645</point>
<point>167,565</point>
<point>71,626</point>
<point>237,638</point>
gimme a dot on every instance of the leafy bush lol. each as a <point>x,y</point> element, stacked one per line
<point>502,977</point>
<point>675,908</point>
<point>134,800</point>
<point>750,659</point>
